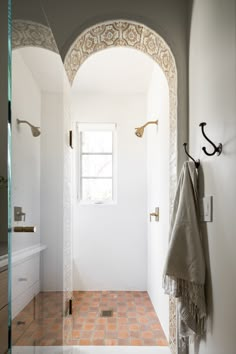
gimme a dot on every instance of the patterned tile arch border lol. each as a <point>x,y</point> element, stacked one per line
<point>124,33</point>
<point>32,34</point>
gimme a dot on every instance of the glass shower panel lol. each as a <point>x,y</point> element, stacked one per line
<point>40,161</point>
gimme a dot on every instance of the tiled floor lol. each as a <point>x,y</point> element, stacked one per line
<point>134,321</point>
<point>91,350</point>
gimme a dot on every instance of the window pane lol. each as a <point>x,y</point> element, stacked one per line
<point>96,190</point>
<point>96,141</point>
<point>96,165</point>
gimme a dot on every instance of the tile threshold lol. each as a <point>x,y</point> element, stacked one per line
<point>91,350</point>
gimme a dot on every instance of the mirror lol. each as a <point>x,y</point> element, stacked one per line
<point>40,155</point>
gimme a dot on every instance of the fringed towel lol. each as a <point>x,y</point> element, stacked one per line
<point>184,271</point>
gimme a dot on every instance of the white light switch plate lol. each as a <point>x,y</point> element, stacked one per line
<point>206,207</point>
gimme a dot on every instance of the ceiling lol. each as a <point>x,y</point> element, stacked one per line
<point>46,67</point>
<point>115,70</point>
<point>111,71</point>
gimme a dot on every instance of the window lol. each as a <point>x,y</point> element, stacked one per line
<point>97,163</point>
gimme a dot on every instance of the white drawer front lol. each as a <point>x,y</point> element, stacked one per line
<point>24,275</point>
<point>19,303</point>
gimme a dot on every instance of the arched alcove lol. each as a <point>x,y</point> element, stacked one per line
<point>28,33</point>
<point>135,35</point>
<point>109,34</point>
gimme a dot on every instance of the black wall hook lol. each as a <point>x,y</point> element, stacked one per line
<point>197,163</point>
<point>217,149</point>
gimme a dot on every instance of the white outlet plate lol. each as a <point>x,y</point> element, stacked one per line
<point>206,207</point>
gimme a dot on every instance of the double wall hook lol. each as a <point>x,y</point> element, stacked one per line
<point>217,149</point>
<point>197,162</point>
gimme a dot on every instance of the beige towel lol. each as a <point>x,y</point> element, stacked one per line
<point>184,271</point>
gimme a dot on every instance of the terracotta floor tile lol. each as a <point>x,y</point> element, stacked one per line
<point>122,320</point>
<point>134,320</point>
<point>85,342</point>
<point>155,326</point>
<point>162,342</point>
<point>100,327</point>
<point>111,341</point>
<point>134,334</point>
<point>147,335</point>
<point>134,327</point>
<point>111,334</point>
<point>99,334</point>
<point>123,334</point>
<point>143,319</point>
<point>111,327</point>
<point>123,342</point>
<point>98,342</point>
<point>76,334</point>
<point>150,342</point>
<point>86,334</point>
<point>135,341</point>
<point>88,327</point>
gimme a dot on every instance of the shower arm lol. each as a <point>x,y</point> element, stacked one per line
<point>150,122</point>
<point>19,121</point>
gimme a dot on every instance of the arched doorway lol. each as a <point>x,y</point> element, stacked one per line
<point>135,35</point>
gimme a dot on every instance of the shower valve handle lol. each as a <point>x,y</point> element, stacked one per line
<point>156,214</point>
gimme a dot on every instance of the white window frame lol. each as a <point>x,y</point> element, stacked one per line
<point>83,127</point>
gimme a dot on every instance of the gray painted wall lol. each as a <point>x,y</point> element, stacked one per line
<point>213,99</point>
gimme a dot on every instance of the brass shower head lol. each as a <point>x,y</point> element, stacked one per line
<point>34,130</point>
<point>139,131</point>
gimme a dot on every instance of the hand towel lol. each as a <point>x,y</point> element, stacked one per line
<point>184,271</point>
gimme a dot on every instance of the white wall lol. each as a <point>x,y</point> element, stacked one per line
<point>25,157</point>
<point>109,242</point>
<point>41,176</point>
<point>52,191</point>
<point>25,151</point>
<point>158,191</point>
<point>212,99</point>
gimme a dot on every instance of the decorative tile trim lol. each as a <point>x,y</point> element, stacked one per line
<point>123,33</point>
<point>28,34</point>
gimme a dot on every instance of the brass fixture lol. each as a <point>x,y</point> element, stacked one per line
<point>24,229</point>
<point>139,131</point>
<point>35,130</point>
<point>155,213</point>
<point>19,215</point>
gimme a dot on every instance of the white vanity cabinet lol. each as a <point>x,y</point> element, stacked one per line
<point>25,287</point>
